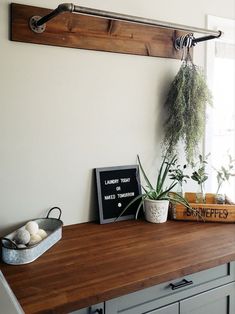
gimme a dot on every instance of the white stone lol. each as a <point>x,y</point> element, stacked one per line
<point>21,246</point>
<point>32,227</point>
<point>34,239</point>
<point>22,236</point>
<point>42,233</point>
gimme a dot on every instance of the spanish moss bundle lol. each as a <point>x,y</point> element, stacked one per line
<point>186,110</point>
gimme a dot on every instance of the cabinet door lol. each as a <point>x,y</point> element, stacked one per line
<point>112,308</point>
<point>170,309</point>
<point>217,301</point>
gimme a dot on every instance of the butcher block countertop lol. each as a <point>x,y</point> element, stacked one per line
<point>94,263</point>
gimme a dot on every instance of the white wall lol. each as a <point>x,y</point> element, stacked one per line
<point>65,111</point>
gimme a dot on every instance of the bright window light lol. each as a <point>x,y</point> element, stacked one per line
<point>220,128</point>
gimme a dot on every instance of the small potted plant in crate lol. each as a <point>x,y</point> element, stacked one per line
<point>200,176</point>
<point>155,198</point>
<point>177,174</point>
<point>223,176</point>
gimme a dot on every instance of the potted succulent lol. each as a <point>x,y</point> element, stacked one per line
<point>223,175</point>
<point>155,198</point>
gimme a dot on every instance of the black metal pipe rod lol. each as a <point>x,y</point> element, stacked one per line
<point>47,17</point>
<point>69,7</point>
<point>64,7</point>
<point>200,39</point>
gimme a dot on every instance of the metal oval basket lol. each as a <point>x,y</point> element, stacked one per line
<point>11,254</point>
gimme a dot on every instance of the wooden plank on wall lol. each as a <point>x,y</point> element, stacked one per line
<point>88,32</point>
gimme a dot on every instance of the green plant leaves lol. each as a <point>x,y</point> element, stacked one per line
<point>160,192</point>
<point>178,175</point>
<point>149,185</point>
<point>185,106</point>
<point>200,175</point>
<point>225,172</point>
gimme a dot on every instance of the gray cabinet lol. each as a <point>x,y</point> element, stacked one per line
<point>217,301</point>
<point>94,309</point>
<point>170,309</point>
<point>211,291</point>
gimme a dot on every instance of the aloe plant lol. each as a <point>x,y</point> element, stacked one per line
<point>159,191</point>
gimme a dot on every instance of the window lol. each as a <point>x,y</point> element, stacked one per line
<point>220,128</point>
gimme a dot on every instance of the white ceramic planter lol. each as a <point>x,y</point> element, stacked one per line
<point>156,211</point>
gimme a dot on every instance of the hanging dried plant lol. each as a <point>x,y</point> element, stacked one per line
<point>185,106</point>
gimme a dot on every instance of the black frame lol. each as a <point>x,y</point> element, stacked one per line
<point>135,184</point>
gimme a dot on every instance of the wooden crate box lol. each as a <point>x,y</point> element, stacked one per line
<point>209,212</point>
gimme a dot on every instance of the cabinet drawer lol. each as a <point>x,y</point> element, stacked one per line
<point>97,308</point>
<point>151,298</point>
<point>170,309</point>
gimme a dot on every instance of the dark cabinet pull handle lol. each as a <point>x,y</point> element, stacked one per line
<point>181,284</point>
<point>98,311</point>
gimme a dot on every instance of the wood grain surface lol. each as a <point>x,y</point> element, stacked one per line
<point>208,212</point>
<point>88,32</point>
<point>93,263</point>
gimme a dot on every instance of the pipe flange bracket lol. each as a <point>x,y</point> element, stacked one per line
<point>33,24</point>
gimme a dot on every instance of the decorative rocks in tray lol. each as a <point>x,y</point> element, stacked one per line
<point>31,240</point>
<point>29,234</point>
<point>32,227</point>
<point>34,239</point>
<point>42,233</point>
<point>22,237</point>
